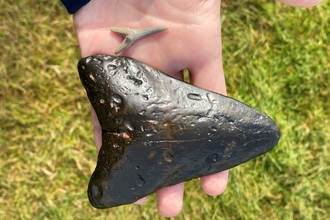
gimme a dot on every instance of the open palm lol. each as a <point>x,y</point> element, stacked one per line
<point>192,41</point>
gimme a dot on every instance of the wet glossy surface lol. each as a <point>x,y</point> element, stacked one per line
<point>159,131</point>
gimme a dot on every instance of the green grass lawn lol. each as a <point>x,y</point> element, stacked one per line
<point>276,59</point>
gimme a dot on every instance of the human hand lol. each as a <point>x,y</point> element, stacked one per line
<point>193,41</point>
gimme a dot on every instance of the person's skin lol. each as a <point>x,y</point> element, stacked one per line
<point>192,41</point>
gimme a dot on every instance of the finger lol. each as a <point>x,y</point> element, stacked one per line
<point>169,200</point>
<point>141,201</point>
<point>215,184</point>
<point>209,76</point>
<point>97,131</point>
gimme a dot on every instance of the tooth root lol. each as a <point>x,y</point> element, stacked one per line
<point>127,42</point>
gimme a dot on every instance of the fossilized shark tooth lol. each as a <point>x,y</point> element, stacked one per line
<point>158,131</point>
<point>132,35</point>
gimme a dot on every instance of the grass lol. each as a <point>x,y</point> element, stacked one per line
<point>276,59</point>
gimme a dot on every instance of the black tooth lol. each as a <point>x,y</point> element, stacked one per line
<point>158,131</point>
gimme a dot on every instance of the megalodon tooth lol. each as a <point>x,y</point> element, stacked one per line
<point>158,131</point>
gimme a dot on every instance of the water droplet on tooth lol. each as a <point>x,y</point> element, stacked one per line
<point>139,74</point>
<point>145,97</point>
<point>111,67</point>
<point>168,155</point>
<point>139,180</point>
<point>211,158</point>
<point>194,96</point>
<point>117,99</point>
<point>88,59</point>
<point>129,125</point>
